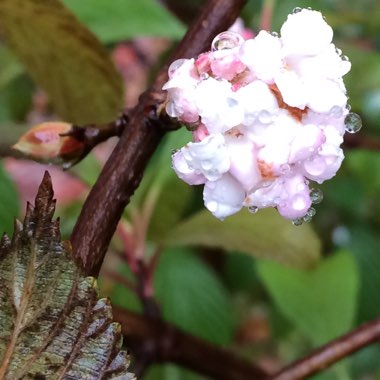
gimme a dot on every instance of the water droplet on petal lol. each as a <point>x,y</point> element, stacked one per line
<point>67,165</point>
<point>226,40</point>
<point>344,58</point>
<point>274,34</point>
<point>206,164</point>
<point>348,107</point>
<point>253,209</point>
<point>284,168</point>
<point>353,122</point>
<point>338,51</point>
<point>316,196</point>
<point>265,117</point>
<point>316,166</point>
<point>336,112</point>
<point>297,221</point>
<point>297,10</point>
<point>309,215</point>
<point>175,66</point>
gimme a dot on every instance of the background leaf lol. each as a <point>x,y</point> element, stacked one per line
<point>192,297</point>
<point>265,235</point>
<point>9,202</point>
<point>126,18</point>
<point>64,58</point>
<point>51,324</point>
<point>320,302</point>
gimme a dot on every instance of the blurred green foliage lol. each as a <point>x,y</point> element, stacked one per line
<point>303,307</point>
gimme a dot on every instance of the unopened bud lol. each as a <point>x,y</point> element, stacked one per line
<point>47,142</point>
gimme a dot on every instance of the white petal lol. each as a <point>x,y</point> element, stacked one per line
<point>186,173</point>
<point>243,158</point>
<point>223,197</point>
<point>218,105</point>
<point>263,56</point>
<point>305,33</point>
<point>208,157</point>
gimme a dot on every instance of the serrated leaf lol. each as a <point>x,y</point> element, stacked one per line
<point>117,20</point>
<point>320,302</point>
<point>9,202</point>
<point>264,235</point>
<point>64,58</point>
<point>51,324</point>
<point>192,297</point>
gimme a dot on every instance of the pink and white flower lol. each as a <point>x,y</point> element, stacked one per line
<point>269,115</point>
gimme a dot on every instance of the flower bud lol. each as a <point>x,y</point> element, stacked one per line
<point>48,142</point>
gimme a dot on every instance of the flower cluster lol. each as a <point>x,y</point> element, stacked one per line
<point>268,115</point>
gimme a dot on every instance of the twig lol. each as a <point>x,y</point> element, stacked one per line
<point>331,353</point>
<point>156,341</point>
<point>92,135</point>
<point>123,171</point>
<point>360,140</point>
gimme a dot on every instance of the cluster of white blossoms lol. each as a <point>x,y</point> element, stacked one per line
<point>268,115</point>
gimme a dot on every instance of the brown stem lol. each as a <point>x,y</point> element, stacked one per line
<point>123,171</point>
<point>331,353</point>
<point>92,135</point>
<point>361,141</point>
<point>157,341</point>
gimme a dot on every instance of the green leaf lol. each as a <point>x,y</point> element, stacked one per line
<point>64,58</point>
<point>9,202</point>
<point>320,302</point>
<point>170,372</point>
<point>123,296</point>
<point>365,246</point>
<point>265,235</point>
<point>192,297</point>
<point>10,68</point>
<point>51,324</point>
<point>170,206</point>
<point>118,20</point>
<point>364,166</point>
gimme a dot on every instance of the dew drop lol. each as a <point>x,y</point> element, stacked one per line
<point>316,196</point>
<point>175,66</point>
<point>316,166</point>
<point>284,168</point>
<point>206,164</point>
<point>226,40</point>
<point>67,165</point>
<point>353,122</point>
<point>297,10</point>
<point>336,112</point>
<point>297,221</point>
<point>338,51</point>
<point>309,215</point>
<point>348,107</point>
<point>344,58</point>
<point>274,34</point>
<point>253,209</point>
<point>265,117</point>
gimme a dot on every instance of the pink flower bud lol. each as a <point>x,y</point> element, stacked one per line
<point>46,142</point>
